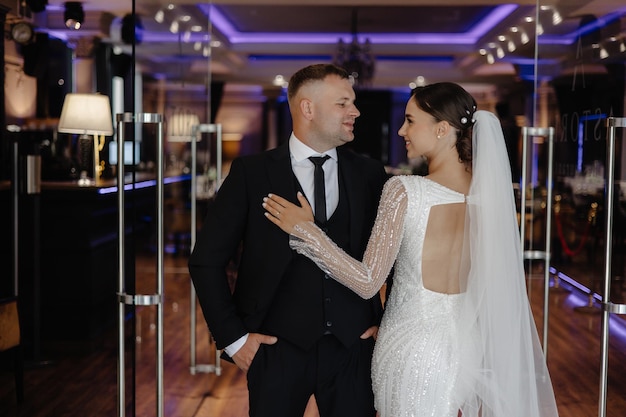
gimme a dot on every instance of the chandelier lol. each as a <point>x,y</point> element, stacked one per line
<point>356,57</point>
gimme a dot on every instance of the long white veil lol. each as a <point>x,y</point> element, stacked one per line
<point>503,372</point>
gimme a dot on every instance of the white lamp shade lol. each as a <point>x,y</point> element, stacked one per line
<point>180,126</point>
<point>86,114</point>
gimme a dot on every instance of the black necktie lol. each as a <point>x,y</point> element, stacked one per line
<point>319,188</point>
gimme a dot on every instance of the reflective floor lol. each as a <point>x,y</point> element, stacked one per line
<point>78,383</point>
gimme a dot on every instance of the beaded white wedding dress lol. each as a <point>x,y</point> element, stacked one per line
<point>416,358</point>
<point>475,350</point>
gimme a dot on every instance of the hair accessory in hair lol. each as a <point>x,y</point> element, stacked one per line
<point>464,119</point>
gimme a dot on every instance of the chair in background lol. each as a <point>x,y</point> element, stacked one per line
<point>10,341</point>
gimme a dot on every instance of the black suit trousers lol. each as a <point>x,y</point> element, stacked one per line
<point>282,377</point>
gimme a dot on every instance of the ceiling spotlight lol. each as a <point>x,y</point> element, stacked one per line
<point>174,26</point>
<point>524,37</point>
<point>420,81</point>
<point>279,81</point>
<point>159,16</point>
<point>74,15</point>
<point>511,46</point>
<point>22,33</point>
<point>539,29</point>
<point>603,53</point>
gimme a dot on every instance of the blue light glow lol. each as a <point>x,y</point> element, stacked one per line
<point>144,184</point>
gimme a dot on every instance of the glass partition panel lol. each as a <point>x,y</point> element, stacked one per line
<point>579,84</point>
<point>174,79</point>
<point>576,93</point>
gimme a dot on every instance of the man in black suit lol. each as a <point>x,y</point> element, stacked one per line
<point>295,331</point>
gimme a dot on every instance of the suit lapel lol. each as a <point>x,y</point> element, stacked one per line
<point>355,194</point>
<point>280,174</point>
<point>281,181</point>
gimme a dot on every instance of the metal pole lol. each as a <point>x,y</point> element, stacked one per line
<point>546,269</point>
<point>218,138</point>
<point>523,188</point>
<point>608,307</point>
<point>160,269</point>
<point>121,386</point>
<point>545,255</point>
<point>197,130</point>
<point>195,135</point>
<point>16,240</point>
<point>137,299</point>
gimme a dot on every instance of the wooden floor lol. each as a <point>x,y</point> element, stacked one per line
<point>85,383</point>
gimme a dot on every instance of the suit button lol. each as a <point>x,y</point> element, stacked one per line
<point>327,300</point>
<point>329,324</point>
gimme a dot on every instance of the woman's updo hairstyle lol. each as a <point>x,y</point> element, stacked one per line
<point>451,103</point>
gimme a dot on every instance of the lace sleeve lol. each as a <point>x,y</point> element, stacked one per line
<point>364,278</point>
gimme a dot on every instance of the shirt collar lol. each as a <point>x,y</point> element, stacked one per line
<point>300,151</point>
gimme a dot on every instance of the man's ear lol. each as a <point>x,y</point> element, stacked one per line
<point>306,107</point>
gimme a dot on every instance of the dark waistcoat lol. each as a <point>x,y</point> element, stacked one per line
<point>310,304</point>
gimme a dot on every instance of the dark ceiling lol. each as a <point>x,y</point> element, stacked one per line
<point>369,19</point>
<point>437,40</point>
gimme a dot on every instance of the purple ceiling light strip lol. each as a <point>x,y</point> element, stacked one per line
<point>470,37</point>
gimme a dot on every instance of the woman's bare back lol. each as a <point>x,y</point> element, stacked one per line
<point>443,248</point>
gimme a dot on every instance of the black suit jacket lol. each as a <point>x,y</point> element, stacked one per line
<point>236,221</point>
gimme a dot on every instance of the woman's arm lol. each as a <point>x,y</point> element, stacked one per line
<point>364,278</point>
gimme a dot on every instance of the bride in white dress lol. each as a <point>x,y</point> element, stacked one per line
<point>457,337</point>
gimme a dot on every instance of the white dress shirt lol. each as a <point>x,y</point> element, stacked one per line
<point>304,170</point>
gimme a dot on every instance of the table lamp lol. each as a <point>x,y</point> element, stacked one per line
<point>180,126</point>
<point>180,131</point>
<point>85,115</point>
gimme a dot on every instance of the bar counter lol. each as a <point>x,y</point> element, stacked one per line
<point>68,254</point>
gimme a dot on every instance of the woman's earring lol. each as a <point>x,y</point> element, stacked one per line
<point>438,136</point>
